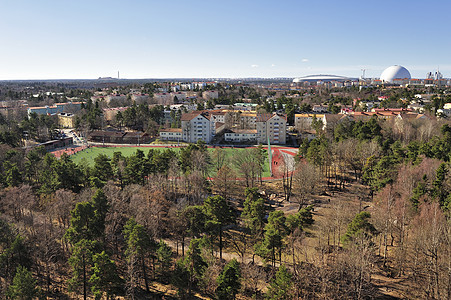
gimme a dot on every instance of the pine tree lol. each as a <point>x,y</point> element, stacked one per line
<point>23,286</point>
<point>280,286</point>
<point>88,219</point>
<point>359,226</point>
<point>194,264</point>
<point>104,278</point>
<point>254,211</point>
<point>139,244</point>
<point>81,262</point>
<point>164,256</point>
<point>219,214</point>
<point>229,281</point>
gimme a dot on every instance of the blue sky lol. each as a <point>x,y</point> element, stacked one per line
<point>248,38</point>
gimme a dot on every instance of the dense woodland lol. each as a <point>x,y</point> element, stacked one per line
<point>371,200</point>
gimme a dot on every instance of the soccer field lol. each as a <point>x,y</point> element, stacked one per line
<point>91,153</point>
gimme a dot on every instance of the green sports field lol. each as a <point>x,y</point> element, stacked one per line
<point>91,153</point>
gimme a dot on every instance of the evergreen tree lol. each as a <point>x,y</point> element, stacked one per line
<point>194,264</point>
<point>254,211</point>
<point>81,262</point>
<point>81,223</point>
<point>280,286</point>
<point>219,214</point>
<point>181,279</point>
<point>139,244</point>
<point>100,206</point>
<point>301,219</point>
<point>419,191</point>
<point>104,278</point>
<point>103,168</point>
<point>13,175</point>
<point>68,174</point>
<point>88,219</point>
<point>229,281</point>
<point>14,252</point>
<point>24,285</point>
<point>439,191</point>
<point>272,243</point>
<point>359,226</point>
<point>164,257</point>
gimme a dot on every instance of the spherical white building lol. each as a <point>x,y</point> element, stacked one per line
<point>394,72</point>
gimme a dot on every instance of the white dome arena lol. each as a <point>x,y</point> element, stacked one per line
<point>395,72</point>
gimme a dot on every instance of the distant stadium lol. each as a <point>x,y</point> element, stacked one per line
<point>324,78</point>
<point>393,73</point>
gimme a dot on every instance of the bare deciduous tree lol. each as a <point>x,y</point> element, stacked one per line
<point>307,180</point>
<point>225,180</point>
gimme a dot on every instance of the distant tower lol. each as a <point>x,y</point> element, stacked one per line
<point>438,75</point>
<point>118,75</point>
<point>363,74</point>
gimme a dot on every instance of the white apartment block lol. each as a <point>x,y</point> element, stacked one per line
<point>163,98</point>
<point>196,126</point>
<point>304,121</point>
<point>140,97</point>
<point>203,125</point>
<point>110,98</point>
<point>188,106</point>
<point>181,96</point>
<point>171,134</point>
<point>272,127</point>
<point>210,95</point>
<point>319,109</point>
<point>241,135</point>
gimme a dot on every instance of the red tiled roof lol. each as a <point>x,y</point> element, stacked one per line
<point>190,116</point>
<point>263,117</point>
<point>266,117</point>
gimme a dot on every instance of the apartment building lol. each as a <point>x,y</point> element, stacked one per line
<point>196,126</point>
<point>54,109</point>
<point>272,127</point>
<point>163,98</point>
<point>241,135</point>
<point>171,134</point>
<point>210,95</point>
<point>204,125</point>
<point>304,121</point>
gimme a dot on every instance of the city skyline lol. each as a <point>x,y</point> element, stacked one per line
<point>221,39</point>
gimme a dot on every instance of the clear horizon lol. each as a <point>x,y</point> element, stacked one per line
<point>51,40</point>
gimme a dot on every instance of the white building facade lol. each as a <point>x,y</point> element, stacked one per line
<point>196,126</point>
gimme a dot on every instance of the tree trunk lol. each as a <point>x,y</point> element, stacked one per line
<point>143,265</point>
<point>220,243</point>
<point>84,277</point>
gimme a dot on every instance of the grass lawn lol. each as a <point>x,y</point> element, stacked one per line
<point>91,153</point>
